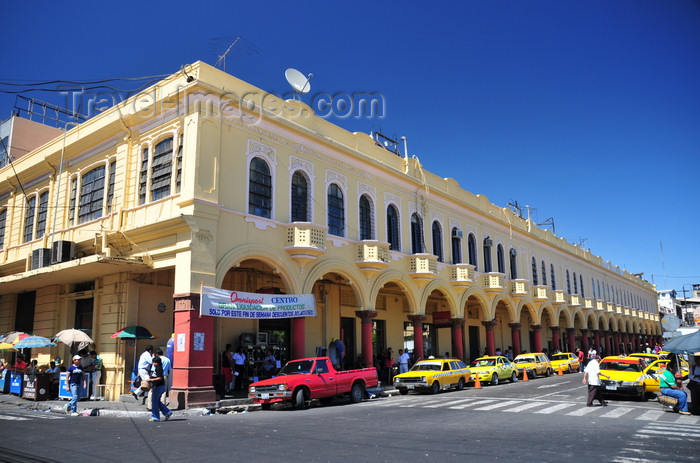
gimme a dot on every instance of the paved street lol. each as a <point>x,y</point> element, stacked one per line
<point>540,420</point>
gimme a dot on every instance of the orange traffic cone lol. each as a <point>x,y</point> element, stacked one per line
<point>477,383</point>
<point>525,378</point>
<point>560,372</point>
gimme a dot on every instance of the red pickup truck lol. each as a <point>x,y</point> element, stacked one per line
<point>312,378</point>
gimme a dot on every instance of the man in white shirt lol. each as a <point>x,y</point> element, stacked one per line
<point>403,361</point>
<point>592,375</point>
<point>144,368</point>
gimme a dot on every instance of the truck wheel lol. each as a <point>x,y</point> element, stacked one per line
<point>265,406</point>
<point>403,391</point>
<point>299,401</point>
<point>357,393</point>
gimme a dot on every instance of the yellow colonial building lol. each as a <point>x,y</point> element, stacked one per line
<point>204,179</point>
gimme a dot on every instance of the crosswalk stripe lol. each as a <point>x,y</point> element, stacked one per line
<point>481,402</point>
<point>524,406</point>
<point>499,405</point>
<point>617,412</point>
<point>13,418</point>
<point>650,415</point>
<point>554,408</point>
<point>671,433</point>
<point>582,411</point>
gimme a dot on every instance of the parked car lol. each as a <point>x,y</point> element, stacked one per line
<point>630,376</point>
<point>533,364</point>
<point>433,375</point>
<point>312,378</point>
<point>493,369</point>
<point>567,361</point>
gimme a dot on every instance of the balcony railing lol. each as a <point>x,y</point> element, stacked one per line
<point>559,297</point>
<point>462,275</point>
<point>540,293</point>
<point>519,288</point>
<point>423,268</point>
<point>305,242</point>
<point>493,281</point>
<point>372,257</point>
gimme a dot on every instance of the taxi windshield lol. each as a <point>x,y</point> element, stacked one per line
<point>621,366</point>
<point>426,367</point>
<point>484,363</point>
<point>524,360</point>
<point>560,357</point>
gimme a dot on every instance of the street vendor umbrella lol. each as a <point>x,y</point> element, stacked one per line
<point>134,332</point>
<point>13,337</point>
<point>684,344</point>
<point>76,339</point>
<point>6,346</point>
<point>33,341</point>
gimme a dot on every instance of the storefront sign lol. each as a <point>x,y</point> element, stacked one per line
<point>235,304</point>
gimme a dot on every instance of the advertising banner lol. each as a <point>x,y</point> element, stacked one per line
<point>236,304</point>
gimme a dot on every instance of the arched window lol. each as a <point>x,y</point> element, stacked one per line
<point>456,246</point>
<point>416,234</point>
<point>568,282</point>
<point>471,244</point>
<point>544,274</point>
<point>500,259</point>
<point>300,197</point>
<point>534,272</point>
<point>366,213</point>
<point>551,274</point>
<point>260,189</point>
<point>392,227</point>
<point>41,216</point>
<point>513,264</point>
<point>437,241</point>
<point>336,211</point>
<point>92,191</point>
<point>161,169</point>
<point>487,255</point>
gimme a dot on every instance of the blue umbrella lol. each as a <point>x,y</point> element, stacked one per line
<point>34,341</point>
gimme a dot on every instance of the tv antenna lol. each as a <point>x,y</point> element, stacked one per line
<point>298,81</point>
<point>238,47</point>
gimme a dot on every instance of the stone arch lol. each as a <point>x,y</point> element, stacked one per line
<point>446,290</point>
<point>508,303</point>
<point>279,261</point>
<point>396,277</point>
<point>347,270</point>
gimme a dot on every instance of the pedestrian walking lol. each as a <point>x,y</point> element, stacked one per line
<point>157,389</point>
<point>591,375</point>
<point>75,385</point>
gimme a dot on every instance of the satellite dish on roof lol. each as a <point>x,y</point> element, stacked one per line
<point>298,81</point>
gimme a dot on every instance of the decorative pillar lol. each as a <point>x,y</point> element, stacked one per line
<point>555,338</point>
<point>298,347</point>
<point>418,353</point>
<point>636,343</point>
<point>366,317</point>
<point>536,331</point>
<point>596,341</point>
<point>616,341</point>
<point>571,333</point>
<point>608,345</point>
<point>457,338</point>
<point>515,333</point>
<point>193,369</point>
<point>584,341</point>
<point>490,342</point>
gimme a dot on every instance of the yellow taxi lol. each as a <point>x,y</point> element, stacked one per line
<point>493,369</point>
<point>630,376</point>
<point>533,364</point>
<point>647,357</point>
<point>567,361</point>
<point>685,366</point>
<point>433,375</point>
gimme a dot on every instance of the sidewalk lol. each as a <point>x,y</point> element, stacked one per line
<point>128,407</point>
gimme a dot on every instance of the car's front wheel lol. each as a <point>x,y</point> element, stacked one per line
<point>403,391</point>
<point>494,379</point>
<point>435,387</point>
<point>299,400</point>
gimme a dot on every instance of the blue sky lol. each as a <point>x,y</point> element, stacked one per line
<point>587,111</point>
